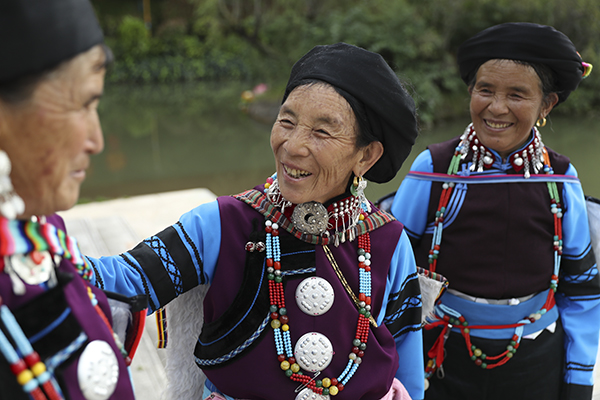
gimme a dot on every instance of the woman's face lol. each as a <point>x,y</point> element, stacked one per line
<point>506,101</point>
<point>50,137</point>
<point>314,144</point>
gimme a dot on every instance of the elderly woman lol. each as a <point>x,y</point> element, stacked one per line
<point>313,291</point>
<point>55,341</point>
<point>503,218</point>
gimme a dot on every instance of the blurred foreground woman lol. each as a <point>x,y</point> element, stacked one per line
<point>56,339</point>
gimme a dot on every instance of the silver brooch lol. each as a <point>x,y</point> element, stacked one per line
<point>311,218</point>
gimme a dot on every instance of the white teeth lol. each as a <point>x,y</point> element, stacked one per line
<point>296,173</point>
<point>497,126</point>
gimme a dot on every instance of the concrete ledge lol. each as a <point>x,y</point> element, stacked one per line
<point>114,226</point>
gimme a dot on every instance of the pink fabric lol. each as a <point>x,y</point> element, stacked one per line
<point>397,392</point>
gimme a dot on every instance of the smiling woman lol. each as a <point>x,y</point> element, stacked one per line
<point>56,339</point>
<point>314,140</point>
<point>308,280</point>
<point>503,218</point>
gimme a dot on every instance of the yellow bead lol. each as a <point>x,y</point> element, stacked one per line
<point>285,327</point>
<point>361,217</point>
<point>477,352</point>
<point>24,377</point>
<point>38,369</point>
<point>285,365</point>
<point>326,382</point>
<point>275,324</point>
<point>430,363</point>
<point>333,390</point>
<point>295,367</point>
<point>267,185</point>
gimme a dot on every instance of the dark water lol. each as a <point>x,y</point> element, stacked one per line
<point>163,138</point>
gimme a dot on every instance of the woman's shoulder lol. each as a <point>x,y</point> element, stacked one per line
<point>560,163</point>
<point>442,152</point>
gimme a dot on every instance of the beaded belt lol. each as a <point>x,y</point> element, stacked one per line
<point>481,320</point>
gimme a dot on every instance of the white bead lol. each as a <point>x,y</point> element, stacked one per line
<point>367,262</point>
<point>275,226</point>
<point>361,258</point>
<point>268,223</point>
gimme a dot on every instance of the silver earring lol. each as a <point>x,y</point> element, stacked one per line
<point>11,204</point>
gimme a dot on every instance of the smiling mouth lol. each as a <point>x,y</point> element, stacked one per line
<point>296,173</point>
<point>497,125</point>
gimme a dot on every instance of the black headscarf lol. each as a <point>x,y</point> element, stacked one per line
<point>389,109</point>
<point>527,42</point>
<point>36,35</point>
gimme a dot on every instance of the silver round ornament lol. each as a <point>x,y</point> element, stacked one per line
<point>314,296</point>
<point>97,371</point>
<point>311,218</point>
<point>313,352</point>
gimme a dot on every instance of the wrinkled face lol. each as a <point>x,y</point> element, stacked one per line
<point>314,144</point>
<point>50,137</point>
<point>506,101</point>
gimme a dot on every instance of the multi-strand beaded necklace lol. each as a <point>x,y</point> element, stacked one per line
<point>534,156</point>
<point>280,320</point>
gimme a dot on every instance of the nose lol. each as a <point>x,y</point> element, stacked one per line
<point>95,139</point>
<point>498,105</point>
<point>296,143</point>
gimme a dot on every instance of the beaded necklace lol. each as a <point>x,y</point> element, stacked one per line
<point>280,319</point>
<point>533,156</point>
<point>25,364</point>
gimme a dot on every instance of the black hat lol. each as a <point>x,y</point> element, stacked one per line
<point>527,42</point>
<point>390,111</point>
<point>36,35</point>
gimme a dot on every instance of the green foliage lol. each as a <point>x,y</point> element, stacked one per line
<point>260,40</point>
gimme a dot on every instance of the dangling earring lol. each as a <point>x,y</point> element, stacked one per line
<point>542,123</point>
<point>358,190</point>
<point>11,204</point>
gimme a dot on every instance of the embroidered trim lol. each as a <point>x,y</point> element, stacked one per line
<point>239,349</point>
<point>495,178</point>
<point>260,203</point>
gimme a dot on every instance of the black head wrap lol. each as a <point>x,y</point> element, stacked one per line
<point>365,76</point>
<point>36,35</point>
<point>527,42</point>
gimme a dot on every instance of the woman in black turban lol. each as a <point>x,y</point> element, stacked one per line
<point>56,340</point>
<point>503,218</point>
<point>313,290</point>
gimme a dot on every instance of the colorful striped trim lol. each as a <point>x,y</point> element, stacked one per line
<point>23,237</point>
<point>496,178</point>
<point>161,325</point>
<point>260,203</point>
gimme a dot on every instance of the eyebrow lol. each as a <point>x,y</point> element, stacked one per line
<point>519,89</point>
<point>322,119</point>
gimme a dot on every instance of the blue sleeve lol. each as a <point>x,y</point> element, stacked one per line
<point>402,315</point>
<point>578,295</point>
<point>167,264</point>
<point>412,198</point>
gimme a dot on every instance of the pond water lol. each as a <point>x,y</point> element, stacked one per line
<point>163,138</point>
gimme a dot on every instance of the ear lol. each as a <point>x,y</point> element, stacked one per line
<point>548,104</point>
<point>371,153</point>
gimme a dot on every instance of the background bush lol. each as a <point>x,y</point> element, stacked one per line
<point>259,40</point>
